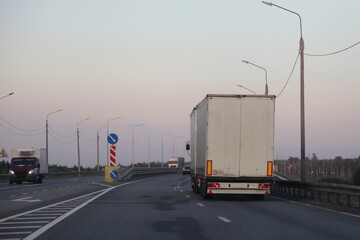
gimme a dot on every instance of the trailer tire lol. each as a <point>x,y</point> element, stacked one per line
<point>11,182</point>
<point>203,191</point>
<point>196,187</point>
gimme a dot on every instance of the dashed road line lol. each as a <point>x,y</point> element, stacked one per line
<point>200,204</point>
<point>224,219</point>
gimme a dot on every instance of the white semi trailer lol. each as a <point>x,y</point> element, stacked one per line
<point>232,145</point>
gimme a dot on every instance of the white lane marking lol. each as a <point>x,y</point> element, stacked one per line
<point>26,199</point>
<point>59,219</point>
<point>14,223</point>
<point>44,214</point>
<point>21,227</point>
<point>181,190</point>
<point>30,218</point>
<point>14,233</point>
<point>200,204</point>
<point>188,196</point>
<point>224,219</point>
<point>309,205</point>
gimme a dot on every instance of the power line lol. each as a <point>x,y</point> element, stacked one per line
<point>22,129</point>
<point>22,134</point>
<point>289,75</point>
<point>64,136</point>
<point>328,54</point>
<point>57,139</point>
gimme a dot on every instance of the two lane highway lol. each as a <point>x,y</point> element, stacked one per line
<point>164,207</point>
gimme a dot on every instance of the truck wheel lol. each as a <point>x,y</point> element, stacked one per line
<point>11,182</point>
<point>196,187</point>
<point>203,192</point>
<point>39,180</point>
<point>19,182</point>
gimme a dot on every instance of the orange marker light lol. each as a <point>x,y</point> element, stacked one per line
<point>269,168</point>
<point>209,167</point>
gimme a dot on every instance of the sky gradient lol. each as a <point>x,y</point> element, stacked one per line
<point>151,62</point>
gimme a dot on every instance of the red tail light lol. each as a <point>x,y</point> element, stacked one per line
<point>263,185</point>
<point>214,185</point>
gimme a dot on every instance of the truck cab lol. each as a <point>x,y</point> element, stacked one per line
<point>25,166</point>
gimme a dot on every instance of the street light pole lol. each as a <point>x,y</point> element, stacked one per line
<point>107,143</point>
<point>133,142</point>
<point>97,146</point>
<point>246,89</point>
<point>266,84</point>
<point>302,104</point>
<point>78,142</point>
<point>148,135</point>
<point>47,135</point>
<point>162,148</point>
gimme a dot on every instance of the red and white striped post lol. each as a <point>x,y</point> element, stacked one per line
<point>112,156</point>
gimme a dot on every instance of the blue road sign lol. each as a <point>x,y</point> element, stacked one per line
<point>112,138</point>
<point>114,174</point>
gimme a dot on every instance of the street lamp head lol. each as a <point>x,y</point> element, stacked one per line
<point>82,121</point>
<point>11,93</point>
<point>59,110</point>
<point>245,61</point>
<point>246,89</point>
<point>267,3</point>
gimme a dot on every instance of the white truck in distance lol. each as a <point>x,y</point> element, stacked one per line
<point>232,145</point>
<point>176,162</point>
<point>28,164</point>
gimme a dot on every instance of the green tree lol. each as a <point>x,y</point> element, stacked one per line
<point>356,177</point>
<point>4,167</point>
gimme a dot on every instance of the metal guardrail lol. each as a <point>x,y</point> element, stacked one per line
<point>345,195</point>
<point>127,173</point>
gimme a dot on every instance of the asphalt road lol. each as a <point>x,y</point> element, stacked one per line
<point>164,207</point>
<point>19,198</point>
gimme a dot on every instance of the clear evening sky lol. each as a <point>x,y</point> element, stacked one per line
<point>152,61</point>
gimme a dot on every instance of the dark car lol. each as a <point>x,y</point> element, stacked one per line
<point>186,170</point>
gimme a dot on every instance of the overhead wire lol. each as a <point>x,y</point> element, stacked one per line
<point>332,53</point>
<point>22,134</point>
<point>292,70</point>
<point>314,55</point>
<point>64,136</point>
<point>22,129</point>
<point>64,142</point>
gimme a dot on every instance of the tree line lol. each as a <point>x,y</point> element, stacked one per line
<point>337,170</point>
<point>5,167</point>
